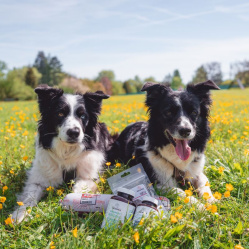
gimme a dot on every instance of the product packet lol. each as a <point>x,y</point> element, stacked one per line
<point>86,203</point>
<point>135,178</point>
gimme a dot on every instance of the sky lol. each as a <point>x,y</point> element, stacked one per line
<point>143,37</point>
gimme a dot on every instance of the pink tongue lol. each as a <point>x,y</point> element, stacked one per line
<point>182,149</point>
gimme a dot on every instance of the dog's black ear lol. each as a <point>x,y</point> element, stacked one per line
<point>46,95</point>
<point>46,92</point>
<point>154,91</point>
<point>93,101</point>
<point>203,87</point>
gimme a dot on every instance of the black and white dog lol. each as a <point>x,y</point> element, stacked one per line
<point>70,138</point>
<point>171,144</point>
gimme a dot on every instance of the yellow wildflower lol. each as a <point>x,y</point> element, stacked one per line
<point>1,162</point>
<point>108,164</point>
<point>173,219</point>
<point>25,158</point>
<point>227,194</point>
<point>180,207</point>
<point>19,203</point>
<point>133,157</point>
<point>207,184</point>
<point>246,152</point>
<point>102,179</point>
<point>118,164</point>
<point>4,188</point>
<point>60,192</point>
<point>217,195</point>
<point>50,188</point>
<point>12,171</point>
<point>188,192</point>
<point>2,199</point>
<point>8,221</point>
<point>239,247</point>
<point>75,232</point>
<point>136,237</point>
<point>229,187</point>
<point>206,196</point>
<point>22,146</point>
<point>221,169</point>
<point>141,222</point>
<point>52,246</point>
<point>1,206</point>
<point>214,209</point>
<point>178,215</point>
<point>186,200</point>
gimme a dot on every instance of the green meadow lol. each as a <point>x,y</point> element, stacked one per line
<point>224,224</point>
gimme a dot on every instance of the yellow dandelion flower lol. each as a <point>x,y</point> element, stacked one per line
<point>50,188</point>
<point>173,219</point>
<point>207,184</point>
<point>206,196</point>
<point>60,192</point>
<point>19,203</point>
<point>136,237</point>
<point>186,200</point>
<point>6,138</point>
<point>133,157</point>
<point>221,169</point>
<point>12,171</point>
<point>246,152</point>
<point>141,222</point>
<point>227,194</point>
<point>8,221</point>
<point>22,146</point>
<point>52,246</point>
<point>178,215</point>
<point>75,232</point>
<point>217,195</point>
<point>2,199</point>
<point>102,179</point>
<point>1,206</point>
<point>214,209</point>
<point>239,247</point>
<point>25,158</point>
<point>188,192</point>
<point>108,164</point>
<point>180,207</point>
<point>1,162</point>
<point>208,206</point>
<point>118,164</point>
<point>4,188</point>
<point>229,187</point>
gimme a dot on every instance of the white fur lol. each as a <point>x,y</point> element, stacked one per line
<point>164,164</point>
<point>47,170</point>
<point>70,121</point>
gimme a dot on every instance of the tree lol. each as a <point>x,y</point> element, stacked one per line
<point>240,71</point>
<point>176,83</point>
<point>50,68</point>
<point>117,88</point>
<point>3,68</point>
<point>30,78</point>
<point>151,78</point>
<point>106,73</point>
<point>130,86</point>
<point>200,75</point>
<point>214,73</point>
<point>138,84</point>
<point>106,82</point>
<point>167,79</point>
<point>176,73</point>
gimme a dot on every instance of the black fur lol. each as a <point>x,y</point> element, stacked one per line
<point>164,114</point>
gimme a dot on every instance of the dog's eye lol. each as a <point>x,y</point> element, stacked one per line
<point>194,113</point>
<point>168,113</point>
<point>83,116</point>
<point>61,114</point>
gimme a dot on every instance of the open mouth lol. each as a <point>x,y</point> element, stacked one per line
<point>182,148</point>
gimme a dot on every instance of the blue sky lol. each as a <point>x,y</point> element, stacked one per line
<point>145,38</point>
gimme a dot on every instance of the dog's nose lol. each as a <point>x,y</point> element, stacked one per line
<point>184,132</point>
<point>74,132</point>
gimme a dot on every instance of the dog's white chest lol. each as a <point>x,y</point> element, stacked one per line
<point>168,152</point>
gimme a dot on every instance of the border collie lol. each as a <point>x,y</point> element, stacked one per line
<point>70,138</point>
<point>171,144</point>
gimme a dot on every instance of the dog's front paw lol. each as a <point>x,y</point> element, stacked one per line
<point>19,215</point>
<point>84,186</point>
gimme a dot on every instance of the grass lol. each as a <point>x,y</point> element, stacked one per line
<point>52,227</point>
